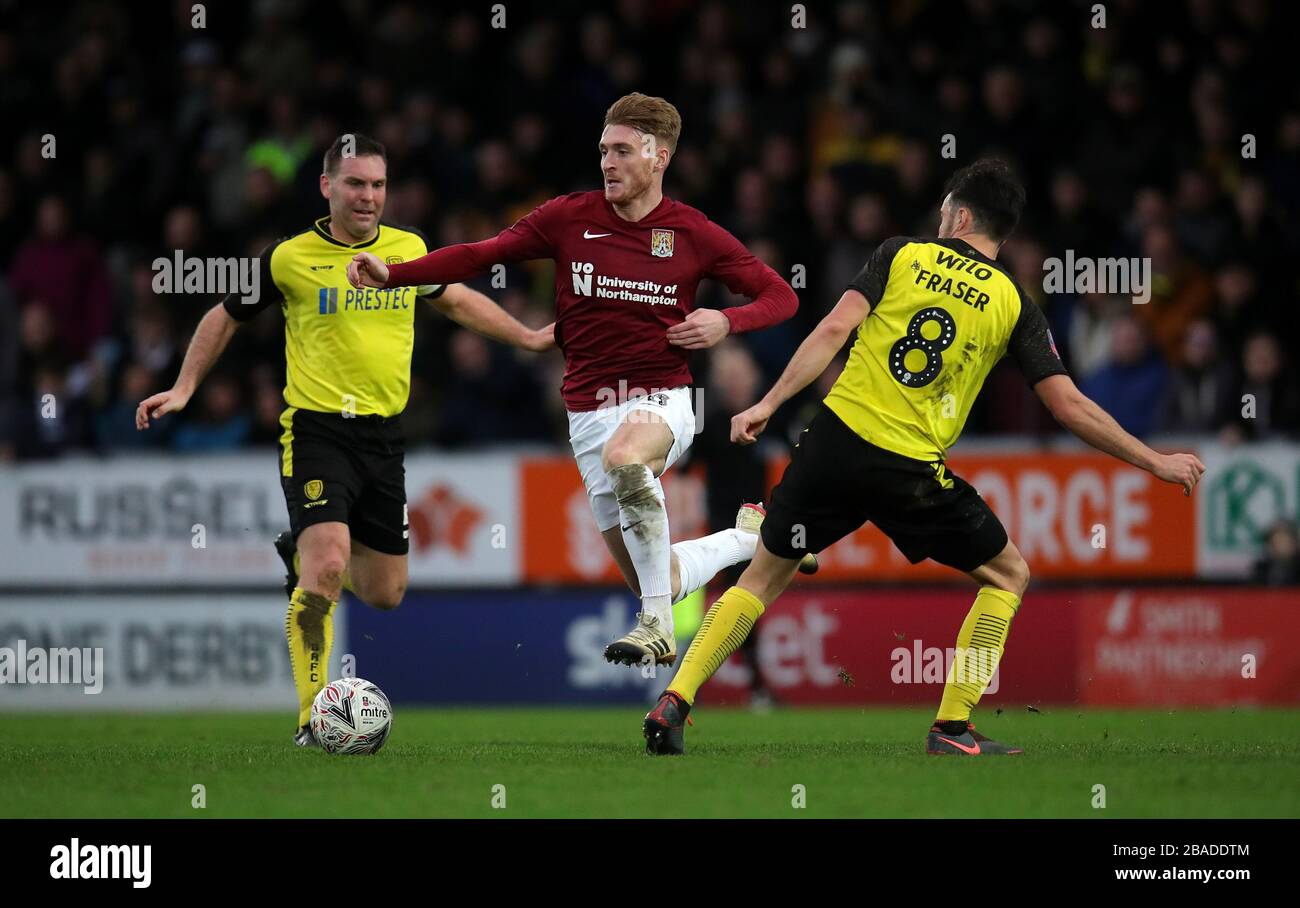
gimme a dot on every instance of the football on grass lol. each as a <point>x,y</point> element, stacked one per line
<point>351,716</point>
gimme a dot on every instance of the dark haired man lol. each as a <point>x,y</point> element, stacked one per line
<point>348,360</point>
<point>942,313</point>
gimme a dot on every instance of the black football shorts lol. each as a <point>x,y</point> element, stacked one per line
<point>837,481</point>
<point>346,469</point>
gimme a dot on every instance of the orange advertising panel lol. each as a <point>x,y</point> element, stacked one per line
<point>1073,516</point>
<point>561,542</point>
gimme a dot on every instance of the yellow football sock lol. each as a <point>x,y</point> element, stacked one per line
<point>724,628</point>
<point>347,577</point>
<point>980,644</point>
<point>309,625</point>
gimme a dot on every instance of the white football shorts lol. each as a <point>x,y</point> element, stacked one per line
<point>588,432</point>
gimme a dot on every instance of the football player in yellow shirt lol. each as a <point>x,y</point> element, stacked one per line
<point>348,374</point>
<point>932,317</point>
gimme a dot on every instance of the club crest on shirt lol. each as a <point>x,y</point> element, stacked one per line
<point>393,260</point>
<point>661,243</point>
<point>313,489</point>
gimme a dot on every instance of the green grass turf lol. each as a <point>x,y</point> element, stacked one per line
<point>589,763</point>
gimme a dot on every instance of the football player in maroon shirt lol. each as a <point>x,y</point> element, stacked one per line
<point>628,262</point>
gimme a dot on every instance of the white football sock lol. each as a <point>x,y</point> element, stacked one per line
<point>644,522</point>
<point>698,560</point>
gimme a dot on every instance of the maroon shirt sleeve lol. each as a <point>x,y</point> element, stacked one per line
<point>773,299</point>
<point>526,239</point>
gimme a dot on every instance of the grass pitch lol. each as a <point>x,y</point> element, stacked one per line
<point>590,763</point>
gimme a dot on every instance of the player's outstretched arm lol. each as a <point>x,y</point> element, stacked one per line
<point>210,338</point>
<point>809,361</point>
<point>447,265</point>
<point>1098,428</point>
<point>471,309</point>
<point>526,239</point>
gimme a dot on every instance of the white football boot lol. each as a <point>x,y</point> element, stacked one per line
<point>644,644</point>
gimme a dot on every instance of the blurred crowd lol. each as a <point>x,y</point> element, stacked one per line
<point>134,134</point>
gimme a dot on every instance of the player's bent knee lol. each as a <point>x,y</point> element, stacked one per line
<point>326,570</point>
<point>388,600</point>
<point>380,592</point>
<point>335,563</point>
<point>617,454</point>
<point>329,580</point>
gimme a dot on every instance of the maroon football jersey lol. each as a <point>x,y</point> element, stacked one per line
<point>619,286</point>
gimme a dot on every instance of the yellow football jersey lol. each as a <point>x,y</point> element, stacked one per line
<point>346,350</point>
<point>942,314</point>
